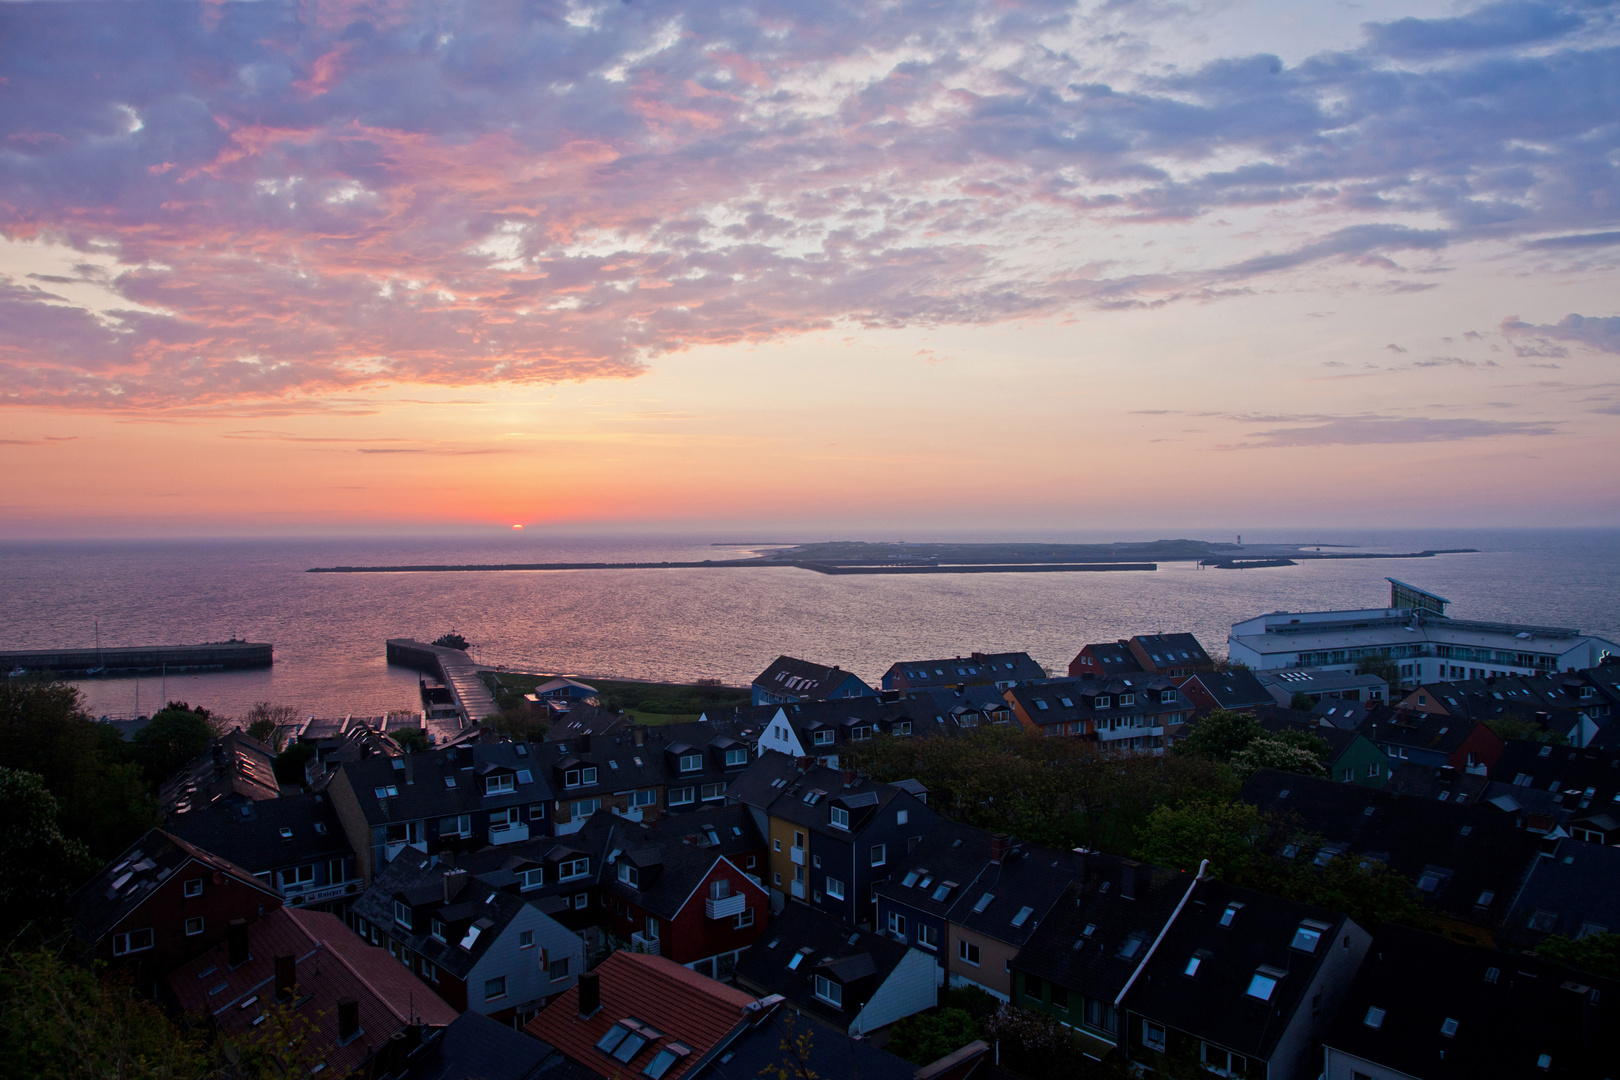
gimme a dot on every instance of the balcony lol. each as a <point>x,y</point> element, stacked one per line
<point>797,855</point>
<point>508,834</point>
<point>641,943</point>
<point>798,890</point>
<point>726,907</point>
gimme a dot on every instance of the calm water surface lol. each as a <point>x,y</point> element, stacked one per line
<point>328,629</point>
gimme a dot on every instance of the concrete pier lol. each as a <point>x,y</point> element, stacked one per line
<point>227,655</point>
<point>452,667</point>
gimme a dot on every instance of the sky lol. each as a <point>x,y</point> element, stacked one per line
<point>353,267</point>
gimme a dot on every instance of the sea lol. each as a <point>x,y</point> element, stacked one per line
<point>686,624</point>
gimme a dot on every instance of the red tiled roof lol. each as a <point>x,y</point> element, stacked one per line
<point>687,1007</point>
<point>333,965</point>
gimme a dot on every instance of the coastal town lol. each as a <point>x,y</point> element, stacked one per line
<point>1369,843</point>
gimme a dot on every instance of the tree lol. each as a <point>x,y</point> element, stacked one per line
<point>414,740</point>
<point>291,762</point>
<point>924,1038</point>
<point>170,739</point>
<point>796,1047</point>
<point>451,640</point>
<point>1277,750</point>
<point>1384,666</point>
<point>1301,702</point>
<point>1512,727</point>
<point>39,866</point>
<point>264,719</point>
<point>1220,735</point>
<point>1227,834</point>
<point>1597,953</point>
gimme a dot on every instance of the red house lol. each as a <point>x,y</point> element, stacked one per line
<point>163,902</point>
<point>687,888</point>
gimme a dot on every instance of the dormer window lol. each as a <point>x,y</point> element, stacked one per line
<point>569,869</point>
<point>1127,699</point>
<point>736,756</point>
<point>629,875</point>
<point>498,784</point>
<point>840,817</point>
<point>581,777</point>
<point>532,879</point>
<point>1167,696</point>
<point>691,762</point>
<point>822,738</point>
<point>829,991</point>
<point>1103,701</point>
<point>402,914</point>
<point>437,928</point>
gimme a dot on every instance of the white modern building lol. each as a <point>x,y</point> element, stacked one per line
<point>1416,633</point>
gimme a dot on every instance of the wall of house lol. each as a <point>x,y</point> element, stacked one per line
<point>909,989</point>
<point>1482,747</point>
<point>526,970</point>
<point>1357,757</point>
<point>166,910</point>
<point>1342,1066</point>
<point>781,863</point>
<point>1295,1052</point>
<point>692,936</point>
<point>994,957</point>
<point>354,823</point>
<point>914,920</point>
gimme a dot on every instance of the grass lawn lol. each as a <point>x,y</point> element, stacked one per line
<point>644,702</point>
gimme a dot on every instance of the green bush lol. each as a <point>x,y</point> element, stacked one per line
<point>927,1037</point>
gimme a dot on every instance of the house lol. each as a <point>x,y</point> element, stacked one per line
<point>825,730</point>
<point>1466,862</point>
<point>1242,983</point>
<point>236,768</point>
<point>833,835</point>
<point>1444,784</point>
<point>476,1046</point>
<point>851,980</point>
<point>587,719</point>
<point>565,689</point>
<point>916,900</point>
<point>1322,684</point>
<point>1104,659</point>
<point>1175,656</point>
<point>1573,891</point>
<point>358,1010</point>
<point>642,1015</point>
<point>788,680</point>
<point>1435,740</point>
<point>1568,705</point>
<point>1352,757</point>
<point>951,712</point>
<point>1000,670</point>
<point>761,1051</point>
<point>1423,1006</point>
<point>1416,634</point>
<point>688,887</point>
<point>479,946</point>
<point>294,844</point>
<point>162,902</point>
<point>1235,689</point>
<point>1126,712</point>
<point>1584,784</point>
<point>1083,957</point>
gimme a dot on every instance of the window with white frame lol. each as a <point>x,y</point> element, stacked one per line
<point>736,756</point>
<point>460,825</point>
<point>743,919</point>
<point>644,797</point>
<point>532,879</point>
<point>829,991</point>
<point>690,762</point>
<point>499,783</point>
<point>880,854</point>
<point>502,820</point>
<point>133,942</point>
<point>711,792</point>
<point>967,952</point>
<point>437,928</point>
<point>495,988</point>
<point>194,927</point>
<point>584,808</point>
<point>835,888</point>
<point>897,923</point>
<point>299,875</point>
<point>526,939</point>
<point>569,869</point>
<point>194,887</point>
<point>822,738</point>
<point>629,875</point>
<point>840,817</point>
<point>402,913</point>
<point>1153,1035</point>
<point>928,936</point>
<point>682,796</point>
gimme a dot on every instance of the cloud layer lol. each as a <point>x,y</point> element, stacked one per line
<point>274,200</point>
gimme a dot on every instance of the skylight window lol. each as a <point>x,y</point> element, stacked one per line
<point>1449,1028</point>
<point>910,879</point>
<point>1231,912</point>
<point>984,902</point>
<point>449,781</point>
<point>1023,915</point>
<point>472,937</point>
<point>1192,964</point>
<point>943,890</point>
<point>798,958</point>
<point>1374,1018</point>
<point>1307,935</point>
<point>1262,985</point>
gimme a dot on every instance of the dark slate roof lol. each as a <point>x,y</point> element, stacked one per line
<point>859,960</point>
<point>1573,890</point>
<point>1044,703</point>
<point>1028,876</point>
<point>1554,699</point>
<point>267,835</point>
<point>235,764</point>
<point>1123,904</point>
<point>1564,770</point>
<point>865,798</point>
<point>124,884</point>
<point>1420,731</point>
<point>1443,783</point>
<point>1508,1011</point>
<point>763,782</point>
<point>788,677</point>
<point>1466,853</point>
<point>1214,1003</point>
<point>420,882</point>
<point>623,764</point>
<point>830,1054</point>
<point>682,848</point>
<point>474,1046</point>
<point>444,782</point>
<point>1235,688</point>
<point>1113,657</point>
<point>582,719</point>
<point>976,668</point>
<point>952,854</point>
<point>1170,650</point>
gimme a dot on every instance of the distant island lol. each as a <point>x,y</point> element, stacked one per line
<point>862,557</point>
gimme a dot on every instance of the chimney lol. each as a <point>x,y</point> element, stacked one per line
<point>286,976</point>
<point>1127,881</point>
<point>453,881</point>
<point>410,768</point>
<point>236,943</point>
<point>639,734</point>
<point>998,847</point>
<point>348,1019</point>
<point>805,763</point>
<point>850,776</point>
<point>590,994</point>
